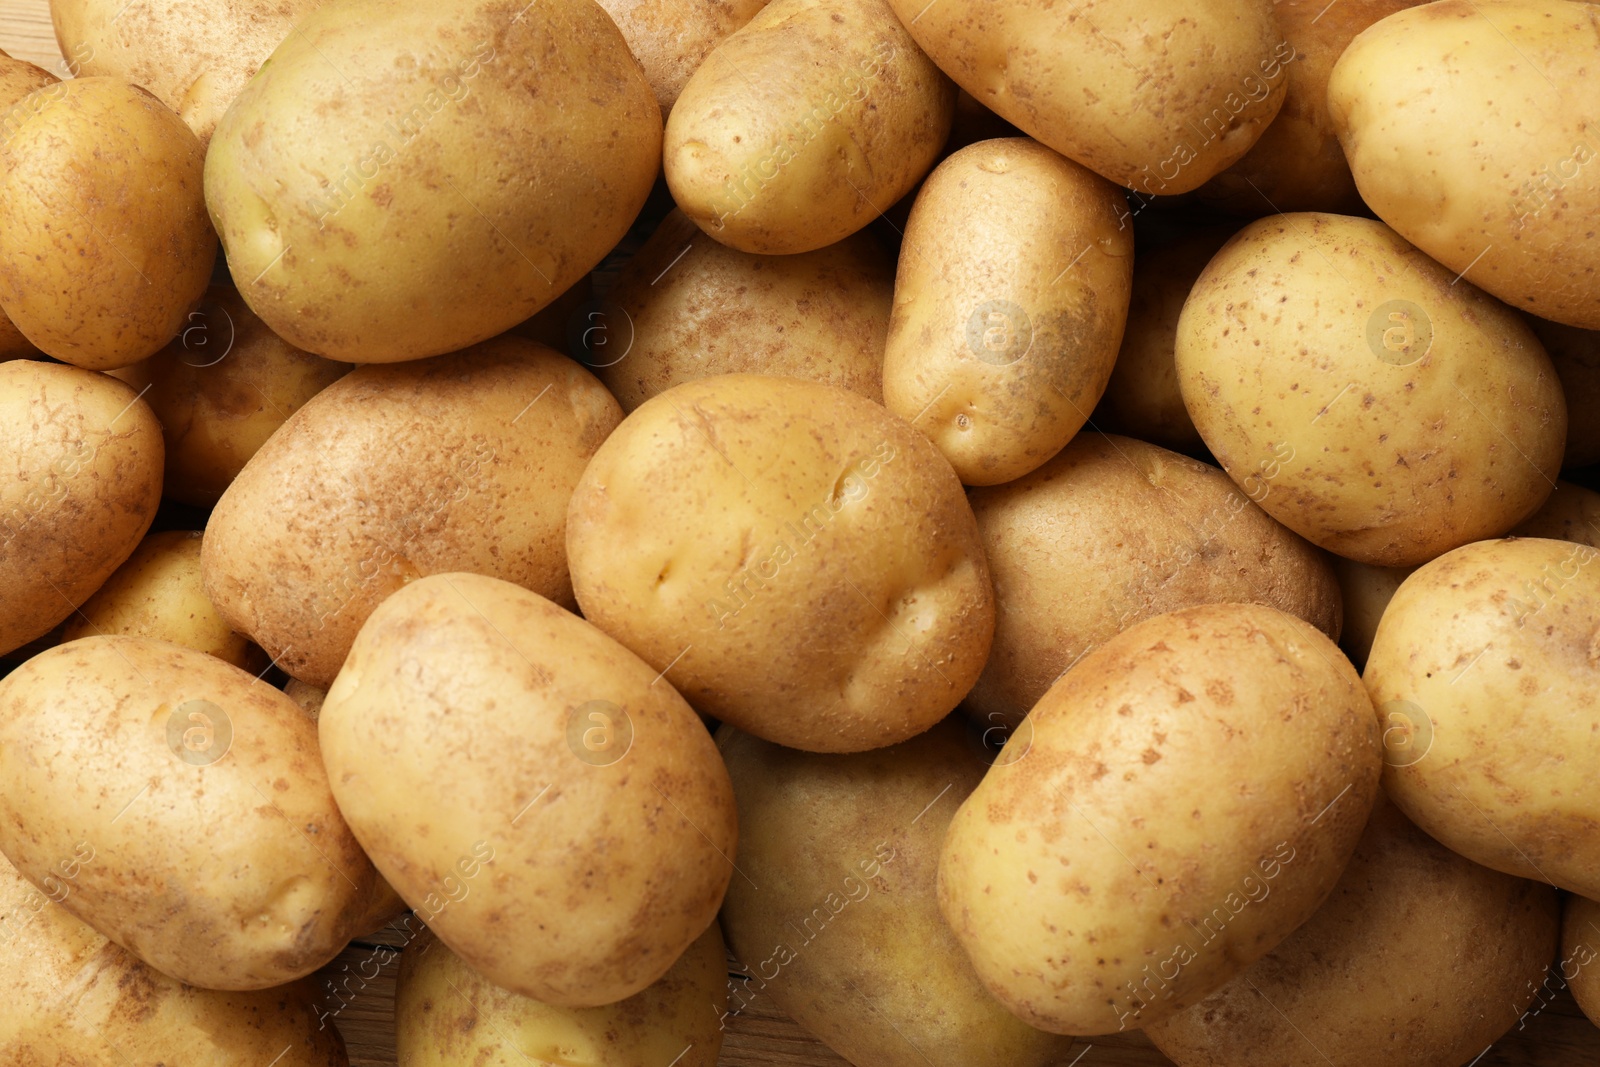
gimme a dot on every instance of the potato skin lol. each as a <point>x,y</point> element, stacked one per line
<point>1580,946</point>
<point>1576,355</point>
<point>1111,869</point>
<point>18,78</point>
<point>671,38</point>
<point>1365,592</point>
<point>1571,513</point>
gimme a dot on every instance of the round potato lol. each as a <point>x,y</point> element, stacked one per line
<point>1576,355</point>
<point>393,472</point>
<point>796,560</point>
<point>104,243</point>
<point>1580,947</point>
<point>1112,868</point>
<point>1572,513</point>
<point>1436,106</point>
<point>692,308</point>
<point>595,839</point>
<point>846,116</point>
<point>419,194</point>
<point>1365,398</point>
<point>1009,306</point>
<point>18,78</point>
<point>219,856</point>
<point>83,483</point>
<point>671,38</point>
<point>1365,591</point>
<point>1148,531</point>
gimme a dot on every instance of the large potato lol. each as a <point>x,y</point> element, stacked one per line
<point>394,472</point>
<point>1009,305</point>
<point>83,481</point>
<point>458,166</point>
<point>1371,402</point>
<point>1175,806</point>
<point>219,856</point>
<point>692,308</point>
<point>1580,947</point>
<point>839,923</point>
<point>104,242</point>
<point>1486,673</point>
<point>796,560</point>
<point>845,116</point>
<point>1470,127</point>
<point>553,809</point>
<point>1111,532</point>
<point>671,38</point>
<point>18,78</point>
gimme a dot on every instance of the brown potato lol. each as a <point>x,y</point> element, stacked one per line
<point>1580,947</point>
<point>1571,513</point>
<point>671,38</point>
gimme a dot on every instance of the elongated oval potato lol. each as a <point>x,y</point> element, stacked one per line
<point>692,308</point>
<point>1576,355</point>
<point>18,78</point>
<point>1151,96</point>
<point>437,183</point>
<point>845,115</point>
<point>1580,947</point>
<point>1063,585</point>
<point>220,858</point>
<point>671,38</point>
<point>594,842</point>
<point>1486,673</point>
<point>82,487</point>
<point>1435,108</point>
<point>104,241</point>
<point>1009,306</point>
<point>839,923</point>
<point>1420,958</point>
<point>391,473</point>
<point>795,559</point>
<point>1113,867</point>
<point>448,1015</point>
<point>1367,399</point>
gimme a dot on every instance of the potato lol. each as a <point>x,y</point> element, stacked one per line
<point>308,697</point>
<point>1572,513</point>
<point>1365,591</point>
<point>1150,96</point>
<point>417,195</point>
<point>793,558</point>
<point>1580,946</point>
<point>839,923</point>
<point>220,389</point>
<point>595,799</point>
<point>1419,959</point>
<point>691,308</point>
<point>1009,306</point>
<point>448,1014</point>
<point>18,78</point>
<point>1576,355</point>
<point>671,38</point>
<point>104,243</point>
<point>395,472</point>
<point>1144,531</point>
<point>219,856</point>
<point>84,482</point>
<point>846,115</point>
<point>1112,868</point>
<point>1468,125</point>
<point>1365,398</point>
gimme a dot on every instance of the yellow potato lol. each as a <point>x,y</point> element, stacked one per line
<point>1367,399</point>
<point>307,696</point>
<point>845,115</point>
<point>1572,513</point>
<point>1365,591</point>
<point>1009,306</point>
<point>1113,867</point>
<point>1580,947</point>
<point>671,38</point>
<point>18,78</point>
<point>1576,355</point>
<point>793,558</point>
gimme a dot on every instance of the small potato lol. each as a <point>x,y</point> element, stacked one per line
<point>104,242</point>
<point>1009,305</point>
<point>1576,355</point>
<point>692,308</point>
<point>844,118</point>
<point>1365,591</point>
<point>671,38</point>
<point>1572,513</point>
<point>1580,948</point>
<point>18,78</point>
<point>1113,867</point>
<point>309,697</point>
<point>83,481</point>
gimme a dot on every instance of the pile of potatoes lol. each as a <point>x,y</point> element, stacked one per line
<point>1003,523</point>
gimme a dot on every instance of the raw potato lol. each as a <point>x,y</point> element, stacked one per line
<point>83,454</point>
<point>309,697</point>
<point>845,116</point>
<point>1362,395</point>
<point>1365,591</point>
<point>449,1015</point>
<point>18,78</point>
<point>219,857</point>
<point>104,242</point>
<point>692,308</point>
<point>1576,355</point>
<point>1470,128</point>
<point>1151,96</point>
<point>158,593</point>
<point>1148,531</point>
<point>1572,513</point>
<point>839,923</point>
<point>461,462</point>
<point>1112,868</point>
<point>1009,306</point>
<point>1580,947</point>
<point>793,558</point>
<point>671,38</point>
<point>1485,676</point>
<point>1419,959</point>
<point>458,167</point>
